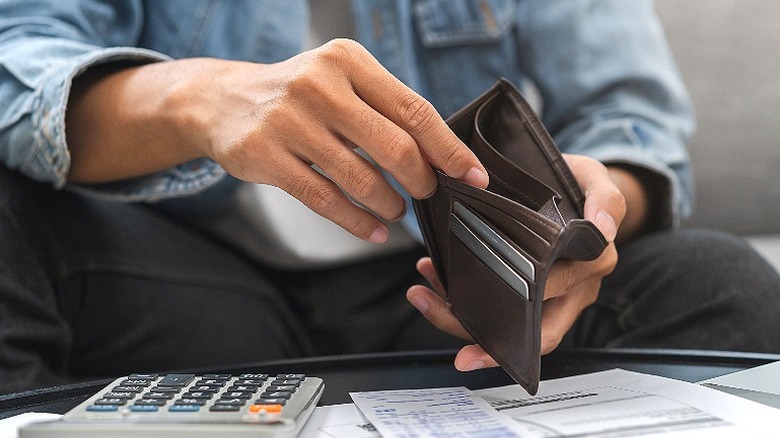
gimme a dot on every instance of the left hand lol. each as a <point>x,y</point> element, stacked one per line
<point>571,285</point>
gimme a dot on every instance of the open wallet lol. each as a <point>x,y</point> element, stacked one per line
<point>493,249</point>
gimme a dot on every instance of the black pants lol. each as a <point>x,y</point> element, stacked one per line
<point>91,288</point>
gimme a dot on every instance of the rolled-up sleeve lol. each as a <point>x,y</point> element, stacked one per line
<point>611,90</point>
<point>43,47</point>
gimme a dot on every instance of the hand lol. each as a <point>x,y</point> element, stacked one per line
<point>269,124</point>
<point>571,285</point>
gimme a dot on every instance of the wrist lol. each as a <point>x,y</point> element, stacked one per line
<point>637,202</point>
<point>120,124</point>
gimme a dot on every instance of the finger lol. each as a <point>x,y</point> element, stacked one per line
<point>566,275</point>
<point>435,310</point>
<point>426,269</point>
<point>325,198</point>
<point>388,144</point>
<point>560,313</point>
<point>605,205</point>
<point>359,178</point>
<point>473,357</point>
<point>415,115</point>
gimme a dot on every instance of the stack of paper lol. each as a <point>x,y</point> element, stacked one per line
<point>614,403</point>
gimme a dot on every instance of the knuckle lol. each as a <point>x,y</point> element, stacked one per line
<point>363,183</point>
<point>551,339</point>
<point>320,197</point>
<point>400,152</point>
<point>362,224</point>
<point>340,50</point>
<point>608,260</point>
<point>416,112</point>
<point>454,157</point>
<point>306,84</point>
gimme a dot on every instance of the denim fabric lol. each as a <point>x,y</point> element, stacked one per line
<point>686,289</point>
<point>602,69</point>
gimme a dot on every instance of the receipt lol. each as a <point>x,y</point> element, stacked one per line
<point>433,412</point>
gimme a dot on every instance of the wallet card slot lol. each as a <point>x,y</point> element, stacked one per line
<point>489,258</point>
<point>527,230</point>
<point>492,239</point>
<point>503,322</point>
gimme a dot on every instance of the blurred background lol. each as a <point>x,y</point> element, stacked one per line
<point>729,54</point>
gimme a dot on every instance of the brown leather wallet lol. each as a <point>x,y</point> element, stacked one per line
<point>493,248</point>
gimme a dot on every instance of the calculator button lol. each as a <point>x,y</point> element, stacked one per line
<point>211,382</point>
<point>217,376</point>
<point>110,401</point>
<point>288,388</point>
<point>257,382</point>
<point>159,395</point>
<point>271,401</point>
<point>237,394</point>
<point>184,408</point>
<point>198,394</point>
<point>296,382</point>
<point>230,401</point>
<point>136,382</point>
<point>144,408</point>
<point>224,408</point>
<point>265,407</point>
<point>254,376</point>
<point>102,408</point>
<point>205,388</point>
<point>276,394</point>
<point>142,376</point>
<point>176,380</point>
<point>133,388</point>
<point>116,394</point>
<point>291,376</point>
<point>190,401</point>
<point>172,390</point>
<point>244,388</point>
<point>150,402</point>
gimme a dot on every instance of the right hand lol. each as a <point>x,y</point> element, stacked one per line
<point>270,123</point>
<point>571,285</point>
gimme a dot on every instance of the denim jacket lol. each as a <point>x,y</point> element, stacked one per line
<point>601,69</point>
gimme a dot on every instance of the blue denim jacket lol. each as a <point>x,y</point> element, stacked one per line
<point>601,68</point>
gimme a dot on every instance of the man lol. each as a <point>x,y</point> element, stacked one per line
<point>157,116</point>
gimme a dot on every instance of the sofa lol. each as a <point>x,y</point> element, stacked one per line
<point>727,52</point>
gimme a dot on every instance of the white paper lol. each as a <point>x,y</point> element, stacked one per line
<point>433,412</point>
<point>614,403</point>
<point>338,421</point>
<point>621,403</point>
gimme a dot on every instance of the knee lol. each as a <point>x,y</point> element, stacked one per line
<point>707,255</point>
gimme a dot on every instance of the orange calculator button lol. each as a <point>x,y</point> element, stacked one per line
<point>267,408</point>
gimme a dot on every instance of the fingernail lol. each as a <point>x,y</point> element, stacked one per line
<point>379,235</point>
<point>475,365</point>
<point>419,303</point>
<point>606,225</point>
<point>476,177</point>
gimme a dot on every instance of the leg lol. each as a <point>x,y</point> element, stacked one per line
<point>362,307</point>
<point>92,288</point>
<point>692,289</point>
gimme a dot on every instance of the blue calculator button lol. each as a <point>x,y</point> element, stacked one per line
<point>144,408</point>
<point>103,408</point>
<point>184,408</point>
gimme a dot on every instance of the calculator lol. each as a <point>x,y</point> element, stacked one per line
<point>204,405</point>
